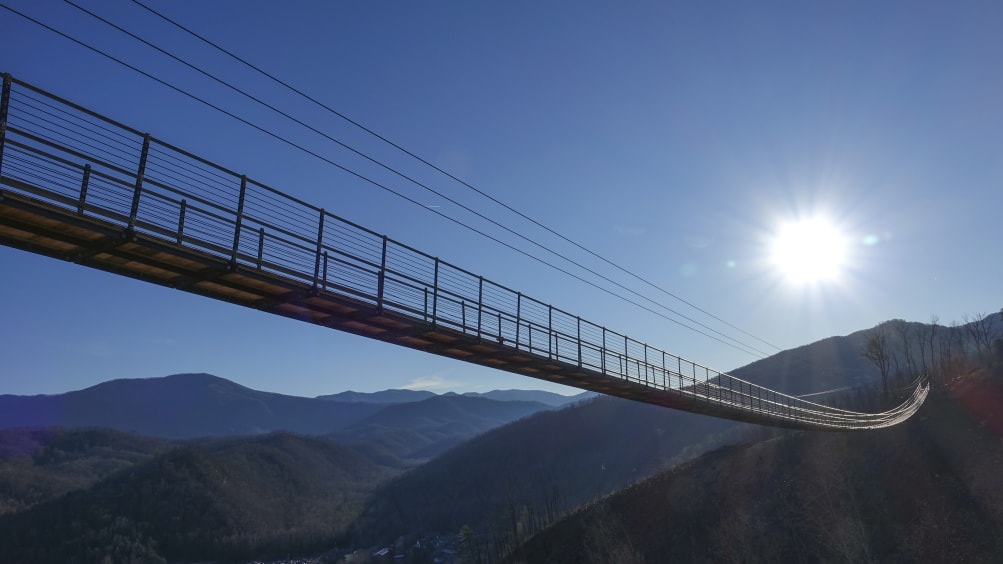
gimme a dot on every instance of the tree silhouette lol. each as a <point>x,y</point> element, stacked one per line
<point>877,350</point>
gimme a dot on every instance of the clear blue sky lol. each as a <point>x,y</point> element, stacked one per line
<point>675,139</point>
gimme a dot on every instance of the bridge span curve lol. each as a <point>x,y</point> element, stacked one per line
<point>78,186</point>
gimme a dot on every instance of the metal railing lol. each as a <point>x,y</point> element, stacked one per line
<point>67,156</point>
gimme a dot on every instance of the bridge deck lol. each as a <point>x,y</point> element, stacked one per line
<point>159,214</point>
<point>35,226</point>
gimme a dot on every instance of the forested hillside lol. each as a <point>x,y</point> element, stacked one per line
<point>535,469</point>
<point>228,499</point>
<point>924,491</point>
<point>37,465</point>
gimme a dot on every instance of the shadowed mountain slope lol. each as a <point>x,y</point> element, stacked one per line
<point>549,462</point>
<point>554,461</point>
<point>924,491</point>
<point>828,364</point>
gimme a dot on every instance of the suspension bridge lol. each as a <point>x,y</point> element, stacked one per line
<point>81,187</point>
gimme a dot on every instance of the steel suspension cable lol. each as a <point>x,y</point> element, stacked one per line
<point>371,181</point>
<point>424,186</point>
<point>446,173</point>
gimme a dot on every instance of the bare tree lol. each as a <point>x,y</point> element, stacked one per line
<point>950,350</point>
<point>960,342</point>
<point>877,350</point>
<point>468,550</point>
<point>934,326</point>
<point>904,331</point>
<point>996,329</point>
<point>607,540</point>
<point>981,331</point>
<point>998,342</point>
<point>927,335</point>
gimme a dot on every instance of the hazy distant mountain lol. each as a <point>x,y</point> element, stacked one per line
<point>384,397</point>
<point>407,396</point>
<point>424,429</point>
<point>548,398</point>
<point>183,405</point>
<point>392,424</point>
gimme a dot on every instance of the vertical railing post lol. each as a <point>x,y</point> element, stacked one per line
<point>480,303</point>
<point>4,108</point>
<point>550,331</point>
<point>664,372</point>
<point>239,220</point>
<point>140,172</point>
<point>579,342</point>
<point>181,220</point>
<point>602,363</point>
<point>381,283</point>
<point>518,316</point>
<point>626,358</point>
<point>261,245</point>
<point>435,293</point>
<point>645,363</point>
<point>324,278</point>
<point>320,244</point>
<point>83,188</point>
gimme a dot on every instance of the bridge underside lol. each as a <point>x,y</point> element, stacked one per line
<point>59,232</point>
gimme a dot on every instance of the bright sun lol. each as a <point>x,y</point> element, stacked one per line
<point>809,251</point>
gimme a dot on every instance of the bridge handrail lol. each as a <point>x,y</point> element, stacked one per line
<point>257,226</point>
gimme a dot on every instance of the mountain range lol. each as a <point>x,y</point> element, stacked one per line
<point>494,475</point>
<point>409,396</point>
<point>195,405</point>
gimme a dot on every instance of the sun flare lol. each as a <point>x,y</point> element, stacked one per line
<point>809,251</point>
